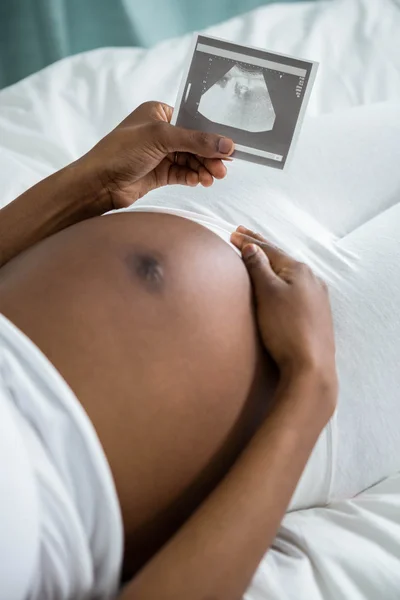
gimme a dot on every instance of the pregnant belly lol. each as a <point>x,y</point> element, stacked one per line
<point>149,319</point>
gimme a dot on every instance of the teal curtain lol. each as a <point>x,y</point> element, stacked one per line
<point>35,33</point>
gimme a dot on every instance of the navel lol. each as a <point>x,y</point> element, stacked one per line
<point>148,269</point>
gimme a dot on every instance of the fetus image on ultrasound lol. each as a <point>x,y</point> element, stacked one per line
<point>239,99</point>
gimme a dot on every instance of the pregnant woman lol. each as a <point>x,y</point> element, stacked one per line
<point>157,405</point>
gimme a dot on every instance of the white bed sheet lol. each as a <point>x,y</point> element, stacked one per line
<point>352,548</point>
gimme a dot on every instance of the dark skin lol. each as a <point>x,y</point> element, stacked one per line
<point>151,321</point>
<point>139,329</point>
<point>142,153</point>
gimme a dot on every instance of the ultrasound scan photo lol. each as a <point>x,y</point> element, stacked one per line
<point>239,99</point>
<point>257,98</point>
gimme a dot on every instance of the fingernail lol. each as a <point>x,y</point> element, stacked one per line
<point>224,145</point>
<point>249,251</point>
<point>241,229</point>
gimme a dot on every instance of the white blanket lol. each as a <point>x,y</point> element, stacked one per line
<point>337,208</point>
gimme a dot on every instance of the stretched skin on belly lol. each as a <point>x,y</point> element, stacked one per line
<point>149,319</point>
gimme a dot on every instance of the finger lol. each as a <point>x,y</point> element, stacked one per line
<point>278,259</point>
<point>167,110</point>
<point>259,268</point>
<point>189,160</point>
<point>249,232</point>
<point>182,176</point>
<point>156,110</point>
<point>215,166</point>
<point>192,178</point>
<point>181,158</point>
<point>205,177</point>
<point>177,139</point>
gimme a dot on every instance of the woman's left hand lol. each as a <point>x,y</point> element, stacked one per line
<point>145,152</point>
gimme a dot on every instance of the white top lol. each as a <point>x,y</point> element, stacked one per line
<point>60,523</point>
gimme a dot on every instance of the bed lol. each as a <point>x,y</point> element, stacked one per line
<point>349,549</point>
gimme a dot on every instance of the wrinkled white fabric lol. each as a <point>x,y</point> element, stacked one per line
<point>60,523</point>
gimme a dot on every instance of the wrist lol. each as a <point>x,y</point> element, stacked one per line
<point>311,392</point>
<point>94,196</point>
<point>321,374</point>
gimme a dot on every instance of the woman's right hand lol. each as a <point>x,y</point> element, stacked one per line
<point>293,310</point>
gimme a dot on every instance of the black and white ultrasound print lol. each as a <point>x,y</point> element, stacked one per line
<point>255,97</point>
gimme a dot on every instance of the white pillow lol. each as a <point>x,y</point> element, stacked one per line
<point>54,116</point>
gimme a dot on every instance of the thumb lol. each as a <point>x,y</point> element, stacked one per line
<point>259,268</point>
<point>208,145</point>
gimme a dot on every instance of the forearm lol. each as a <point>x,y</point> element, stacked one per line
<point>216,553</point>
<point>66,197</point>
